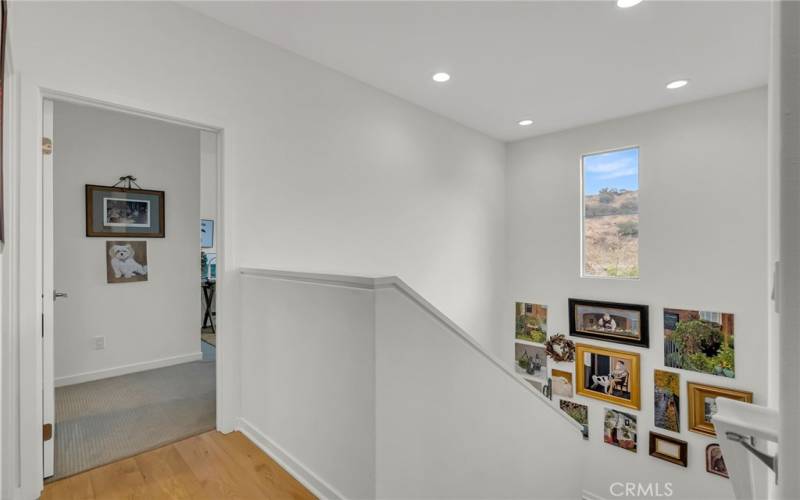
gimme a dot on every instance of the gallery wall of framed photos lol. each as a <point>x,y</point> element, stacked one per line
<point>691,280</point>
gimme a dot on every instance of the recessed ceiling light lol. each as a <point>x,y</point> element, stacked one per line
<point>526,122</point>
<point>624,4</point>
<point>676,84</point>
<point>441,77</point>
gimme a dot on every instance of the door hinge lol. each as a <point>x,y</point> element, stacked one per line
<point>47,146</point>
<point>47,432</point>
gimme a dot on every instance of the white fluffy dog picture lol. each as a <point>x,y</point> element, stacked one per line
<point>126,261</point>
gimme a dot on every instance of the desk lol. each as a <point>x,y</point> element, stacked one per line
<point>209,288</point>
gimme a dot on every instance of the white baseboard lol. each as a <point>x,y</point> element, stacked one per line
<point>126,369</point>
<point>297,469</point>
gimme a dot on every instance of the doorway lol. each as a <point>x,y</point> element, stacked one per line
<point>124,369</point>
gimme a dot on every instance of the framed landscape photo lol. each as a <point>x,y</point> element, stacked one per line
<point>700,341</point>
<point>116,211</point>
<point>579,412</point>
<point>667,400</point>
<point>608,375</point>
<point>531,322</point>
<point>703,405</point>
<point>669,449</point>
<point>206,233</point>
<point>609,321</point>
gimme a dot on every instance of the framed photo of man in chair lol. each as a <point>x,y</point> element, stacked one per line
<point>608,374</point>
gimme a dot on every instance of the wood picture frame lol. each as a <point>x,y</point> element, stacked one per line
<point>610,321</point>
<point>104,201</point>
<point>669,449</point>
<point>608,375</point>
<point>702,406</point>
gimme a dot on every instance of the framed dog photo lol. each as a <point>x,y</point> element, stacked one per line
<point>609,321</point>
<point>703,405</point>
<point>608,375</point>
<point>116,211</point>
<point>715,463</point>
<point>126,261</point>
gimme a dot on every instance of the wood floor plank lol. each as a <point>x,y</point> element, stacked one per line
<point>210,466</point>
<point>168,476</point>
<point>72,488</point>
<point>119,480</point>
<point>281,484</point>
<point>217,475</point>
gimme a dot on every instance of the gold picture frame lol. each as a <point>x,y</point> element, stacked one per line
<point>701,409</point>
<point>608,375</point>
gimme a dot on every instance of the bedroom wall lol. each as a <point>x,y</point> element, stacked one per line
<point>703,245</point>
<point>145,324</point>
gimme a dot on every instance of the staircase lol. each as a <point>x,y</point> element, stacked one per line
<point>363,389</point>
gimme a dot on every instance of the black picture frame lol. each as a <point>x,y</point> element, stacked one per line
<point>643,338</point>
<point>97,227</point>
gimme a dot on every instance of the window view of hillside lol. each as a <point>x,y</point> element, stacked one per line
<point>611,214</point>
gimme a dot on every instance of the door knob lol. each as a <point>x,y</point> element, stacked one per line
<point>59,295</point>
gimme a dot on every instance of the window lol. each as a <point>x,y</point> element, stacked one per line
<point>611,214</point>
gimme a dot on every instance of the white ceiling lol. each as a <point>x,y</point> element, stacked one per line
<point>562,64</point>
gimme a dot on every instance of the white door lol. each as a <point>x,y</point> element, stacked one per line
<point>48,291</point>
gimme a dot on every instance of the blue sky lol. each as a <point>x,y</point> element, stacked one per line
<point>615,169</point>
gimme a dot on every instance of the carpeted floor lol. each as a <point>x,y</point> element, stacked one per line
<point>105,420</point>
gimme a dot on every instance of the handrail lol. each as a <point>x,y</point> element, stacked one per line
<point>742,424</point>
<point>376,283</point>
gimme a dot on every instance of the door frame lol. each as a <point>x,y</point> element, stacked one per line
<point>24,291</point>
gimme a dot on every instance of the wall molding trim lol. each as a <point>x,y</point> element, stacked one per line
<point>368,283</point>
<point>126,369</point>
<point>318,486</point>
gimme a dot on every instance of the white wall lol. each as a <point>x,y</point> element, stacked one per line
<point>308,378</point>
<point>143,322</point>
<point>451,424</point>
<point>305,149</point>
<point>703,245</point>
<point>208,180</point>
<point>364,390</point>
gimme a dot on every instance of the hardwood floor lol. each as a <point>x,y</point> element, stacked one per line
<point>208,466</point>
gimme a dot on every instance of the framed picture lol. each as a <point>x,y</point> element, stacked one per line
<point>608,375</point>
<point>206,233</point>
<point>116,211</point>
<point>669,449</point>
<point>715,464</point>
<point>126,261</point>
<point>609,321</point>
<point>579,412</point>
<point>700,341</point>
<point>703,405</point>
<point>531,322</point>
<point>666,400</point>
<point>619,429</point>
<point>562,383</point>
<point>530,360</point>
